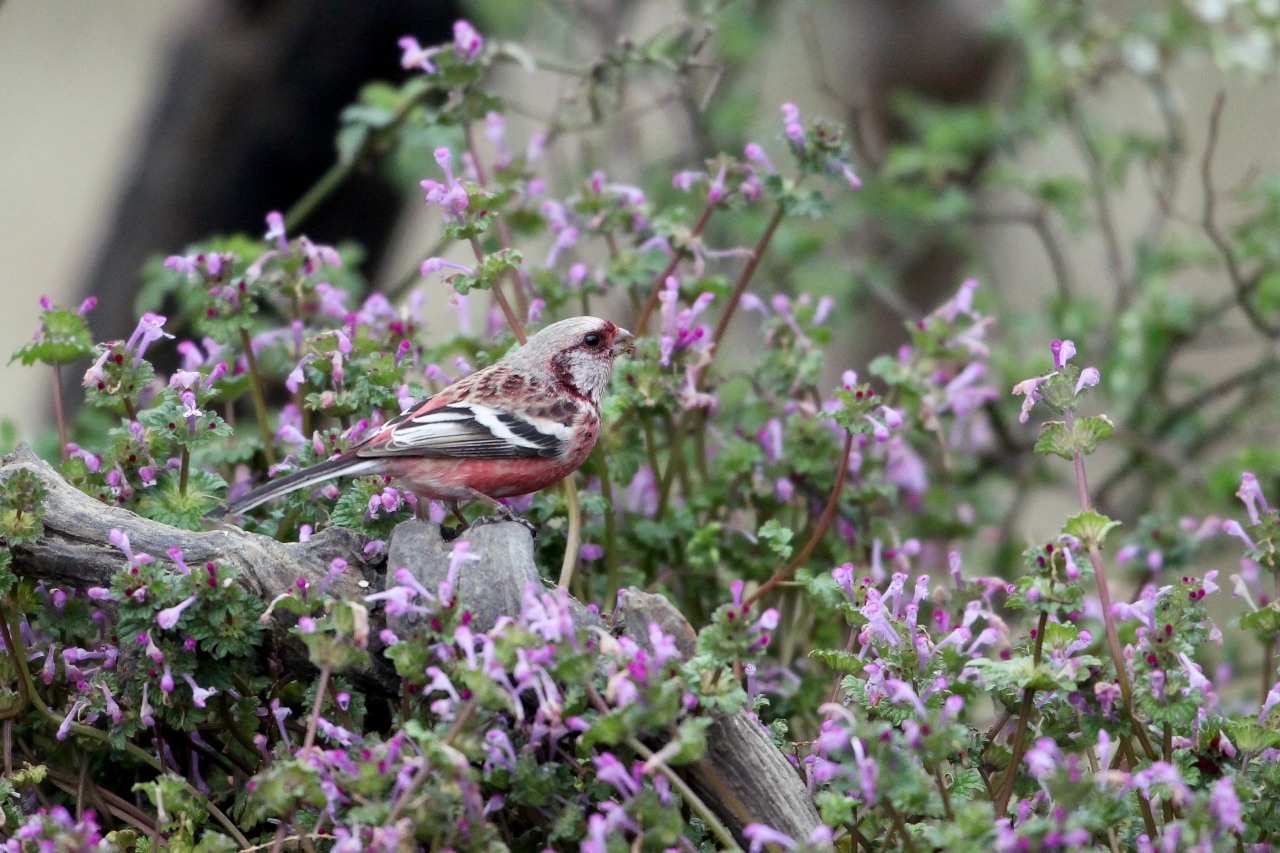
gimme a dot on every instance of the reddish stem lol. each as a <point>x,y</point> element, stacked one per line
<point>747,272</point>
<point>652,301</point>
<point>824,521</point>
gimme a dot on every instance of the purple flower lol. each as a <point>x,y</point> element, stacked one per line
<point>275,231</point>
<point>146,712</point>
<point>415,55</point>
<point>1162,773</point>
<point>791,123</point>
<point>1225,805</point>
<point>1089,377</point>
<point>1273,697</point>
<point>184,264</point>
<point>642,493</point>
<point>168,617</point>
<point>755,154</point>
<point>1029,389</point>
<point>153,651</point>
<point>1251,493</point>
<point>610,769</point>
<point>65,728</point>
<point>149,329</point>
<point>760,836</point>
<point>434,265</point>
<point>199,695</point>
<point>91,460</point>
<point>1231,527</point>
<point>467,43</point>
<point>113,708</point>
<point>498,750</point>
<point>1062,351</point>
<point>1043,758</point>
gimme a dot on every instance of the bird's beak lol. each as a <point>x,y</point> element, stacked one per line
<point>623,341</point>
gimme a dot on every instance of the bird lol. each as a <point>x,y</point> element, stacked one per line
<point>518,426</point>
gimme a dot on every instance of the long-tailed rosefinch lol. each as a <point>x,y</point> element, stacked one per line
<point>512,428</point>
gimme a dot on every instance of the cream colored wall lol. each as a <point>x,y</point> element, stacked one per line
<point>75,78</point>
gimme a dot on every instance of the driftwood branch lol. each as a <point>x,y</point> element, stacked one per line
<point>743,778</point>
<point>75,552</point>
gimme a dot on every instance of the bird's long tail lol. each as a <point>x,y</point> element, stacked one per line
<point>313,476</point>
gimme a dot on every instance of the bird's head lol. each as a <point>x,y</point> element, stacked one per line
<point>580,352</point>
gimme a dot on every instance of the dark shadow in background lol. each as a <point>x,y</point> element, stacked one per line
<point>245,124</point>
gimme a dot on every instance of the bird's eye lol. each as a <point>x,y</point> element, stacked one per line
<point>592,340</point>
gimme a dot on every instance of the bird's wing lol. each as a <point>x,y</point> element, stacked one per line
<point>468,430</point>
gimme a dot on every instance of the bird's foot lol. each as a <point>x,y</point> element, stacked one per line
<point>449,534</point>
<point>499,517</point>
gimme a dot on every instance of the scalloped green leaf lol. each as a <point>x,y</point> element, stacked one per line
<point>1090,527</point>
<point>1265,623</point>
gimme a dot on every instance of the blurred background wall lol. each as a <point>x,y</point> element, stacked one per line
<point>87,171</point>
<point>76,82</point>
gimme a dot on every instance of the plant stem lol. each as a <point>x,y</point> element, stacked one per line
<point>1268,655</point>
<point>498,296</point>
<point>183,471</point>
<point>343,169</point>
<point>675,457</point>
<point>259,398</point>
<point>1269,651</point>
<point>824,521</point>
<point>1104,599</point>
<point>946,797</point>
<point>574,536</point>
<point>613,581</point>
<point>1144,804</point>
<point>499,224</point>
<point>13,641</point>
<point>747,272</point>
<point>660,279</point>
<point>58,414</point>
<point>696,805</point>
<point>322,684</point>
<point>1001,802</point>
<point>19,664</point>
<point>907,844</point>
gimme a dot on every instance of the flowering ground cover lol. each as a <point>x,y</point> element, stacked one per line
<point>845,541</point>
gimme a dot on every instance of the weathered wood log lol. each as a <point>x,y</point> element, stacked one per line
<point>75,551</point>
<point>490,587</point>
<point>743,777</point>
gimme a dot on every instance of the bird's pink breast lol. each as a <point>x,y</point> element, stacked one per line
<point>456,479</point>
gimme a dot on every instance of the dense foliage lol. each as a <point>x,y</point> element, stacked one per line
<point>849,553</point>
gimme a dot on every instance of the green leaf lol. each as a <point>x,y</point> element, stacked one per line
<point>63,338</point>
<point>1265,623</point>
<point>1250,737</point>
<point>1090,527</point>
<point>165,502</point>
<point>777,537</point>
<point>609,729</point>
<point>21,507</point>
<point>692,739</point>
<point>1090,431</point>
<point>7,578</point>
<point>1083,437</point>
<point>967,783</point>
<point>1054,439</point>
<point>337,653</point>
